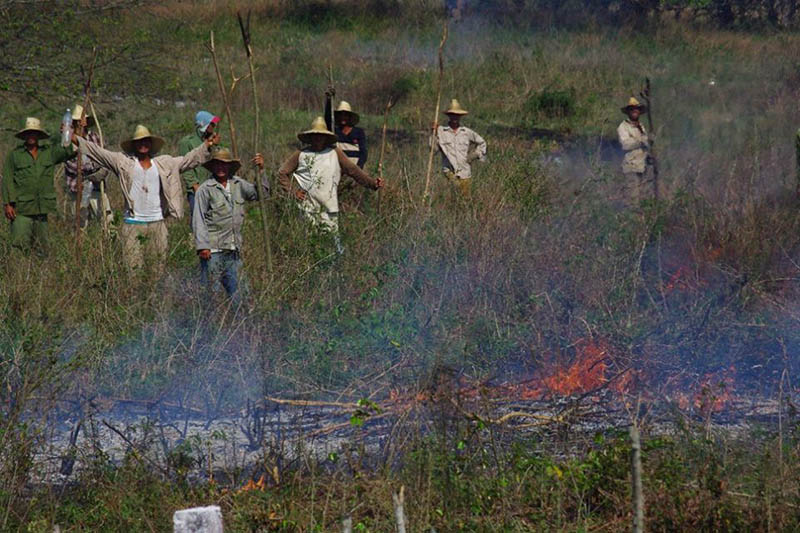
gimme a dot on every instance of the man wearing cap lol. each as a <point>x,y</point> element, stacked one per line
<point>93,174</point>
<point>312,176</point>
<point>636,145</point>
<point>28,184</point>
<point>204,125</point>
<point>456,144</point>
<point>218,217</point>
<point>151,188</point>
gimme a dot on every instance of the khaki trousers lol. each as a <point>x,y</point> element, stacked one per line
<point>147,240</point>
<point>464,186</point>
<point>637,187</point>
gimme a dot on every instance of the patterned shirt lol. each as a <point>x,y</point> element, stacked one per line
<point>90,168</point>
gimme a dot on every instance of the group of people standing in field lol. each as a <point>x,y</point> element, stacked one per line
<point>204,176</point>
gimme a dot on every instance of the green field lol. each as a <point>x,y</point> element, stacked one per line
<point>695,292</point>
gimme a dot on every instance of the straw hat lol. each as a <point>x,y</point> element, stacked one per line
<point>139,133</point>
<point>32,124</point>
<point>455,108</point>
<point>225,156</point>
<point>318,127</point>
<point>344,107</point>
<point>76,115</point>
<point>633,103</point>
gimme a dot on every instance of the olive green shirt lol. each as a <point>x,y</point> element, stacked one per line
<point>197,175</point>
<point>28,183</point>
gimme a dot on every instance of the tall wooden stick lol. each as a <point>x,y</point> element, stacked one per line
<point>434,134</point>
<point>79,160</point>
<point>224,94</point>
<point>245,27</point>
<point>333,102</point>
<point>646,96</point>
<point>389,105</point>
<point>102,182</point>
<point>636,480</point>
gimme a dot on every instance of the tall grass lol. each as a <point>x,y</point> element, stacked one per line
<point>542,257</point>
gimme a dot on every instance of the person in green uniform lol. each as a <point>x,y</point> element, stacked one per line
<point>204,125</point>
<point>28,186</point>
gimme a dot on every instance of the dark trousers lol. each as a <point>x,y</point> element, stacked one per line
<point>224,269</point>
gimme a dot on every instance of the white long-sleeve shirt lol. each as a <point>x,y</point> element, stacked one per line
<point>633,139</point>
<point>455,149</point>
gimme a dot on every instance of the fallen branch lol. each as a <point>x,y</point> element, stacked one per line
<point>312,403</point>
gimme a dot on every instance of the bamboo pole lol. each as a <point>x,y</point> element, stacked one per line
<point>79,158</point>
<point>225,100</point>
<point>426,194</point>
<point>347,525</point>
<point>636,480</point>
<point>261,200</point>
<point>389,105</point>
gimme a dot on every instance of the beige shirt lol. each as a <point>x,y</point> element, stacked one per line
<point>455,148</point>
<point>169,172</point>
<point>636,146</point>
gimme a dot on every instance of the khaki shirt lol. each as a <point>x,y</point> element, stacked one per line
<point>169,171</point>
<point>455,148</point>
<point>636,146</point>
<point>218,216</point>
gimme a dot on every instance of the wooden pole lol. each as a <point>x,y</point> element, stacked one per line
<point>636,480</point>
<point>224,94</point>
<point>646,95</point>
<point>347,525</point>
<point>389,105</point>
<point>79,159</point>
<point>333,102</point>
<point>245,27</point>
<point>426,194</point>
<point>102,182</point>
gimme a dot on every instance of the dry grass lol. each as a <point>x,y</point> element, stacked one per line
<point>542,257</point>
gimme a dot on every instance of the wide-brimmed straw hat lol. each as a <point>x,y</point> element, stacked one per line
<point>318,127</point>
<point>344,107</point>
<point>140,133</point>
<point>76,115</point>
<point>456,109</point>
<point>633,103</point>
<point>225,156</point>
<point>32,124</point>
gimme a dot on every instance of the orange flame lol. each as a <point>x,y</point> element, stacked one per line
<point>254,485</point>
<point>587,372</point>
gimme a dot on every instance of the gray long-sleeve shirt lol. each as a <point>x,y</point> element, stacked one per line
<point>219,214</point>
